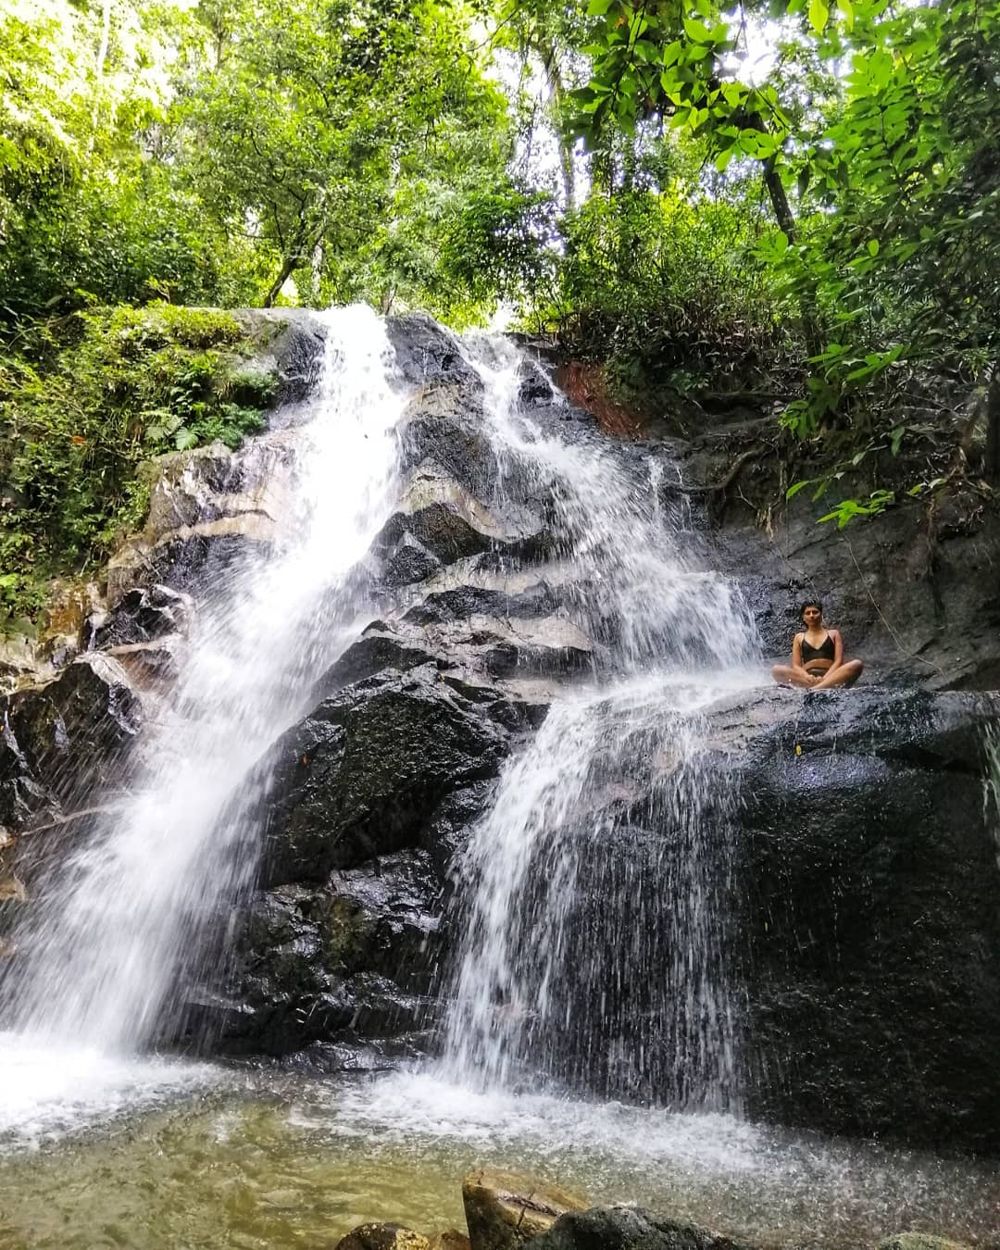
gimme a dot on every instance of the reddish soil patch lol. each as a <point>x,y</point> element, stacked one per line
<point>585,386</point>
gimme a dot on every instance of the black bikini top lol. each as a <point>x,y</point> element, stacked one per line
<point>824,651</point>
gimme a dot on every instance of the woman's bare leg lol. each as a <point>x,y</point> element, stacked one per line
<point>785,675</point>
<point>846,675</point>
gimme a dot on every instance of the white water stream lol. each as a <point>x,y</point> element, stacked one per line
<point>129,910</point>
<point>594,947</point>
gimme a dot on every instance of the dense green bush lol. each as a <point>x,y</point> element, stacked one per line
<point>669,292</point>
<point>93,397</point>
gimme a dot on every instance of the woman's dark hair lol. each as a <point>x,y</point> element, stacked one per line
<point>810,603</point>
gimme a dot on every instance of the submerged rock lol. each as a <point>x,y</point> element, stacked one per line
<point>505,1211</point>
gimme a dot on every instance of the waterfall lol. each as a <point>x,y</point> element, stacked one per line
<point>593,895</point>
<point>128,912</point>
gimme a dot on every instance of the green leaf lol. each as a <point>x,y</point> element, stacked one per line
<point>794,489</point>
<point>697,31</point>
<point>723,159</point>
<point>185,439</point>
<point>819,15</point>
<point>598,8</point>
<point>873,247</point>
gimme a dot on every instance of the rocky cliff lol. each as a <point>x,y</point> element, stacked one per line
<point>865,878</point>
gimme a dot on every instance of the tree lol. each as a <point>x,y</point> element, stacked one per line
<point>327,131</point>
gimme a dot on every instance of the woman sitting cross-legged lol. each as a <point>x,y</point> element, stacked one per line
<point>817,655</point>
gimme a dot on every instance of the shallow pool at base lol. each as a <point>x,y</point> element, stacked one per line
<point>207,1158</point>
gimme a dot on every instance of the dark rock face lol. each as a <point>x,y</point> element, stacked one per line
<point>344,943</point>
<point>63,747</point>
<point>871,921</point>
<point>364,772</point>
<point>427,354</point>
<point>914,593</point>
<point>141,615</point>
<point>291,344</point>
<point>627,1228</point>
<point>310,961</point>
<point>70,737</point>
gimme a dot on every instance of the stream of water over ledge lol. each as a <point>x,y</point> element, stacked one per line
<point>592,1033</point>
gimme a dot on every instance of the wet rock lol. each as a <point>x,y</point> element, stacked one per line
<point>362,774</point>
<point>140,615</point>
<point>290,345</point>
<point>407,562</point>
<point>378,648</point>
<point>469,654</point>
<point>628,1228</point>
<point>210,508</point>
<point>441,514</point>
<point>450,1239</point>
<point>868,872</point>
<point>535,386</point>
<point>505,1211</point>
<point>383,1237</point>
<point>363,1055</point>
<point>71,736</point>
<point>427,353</point>
<point>463,601</point>
<point>151,666</point>
<point>443,426</point>
<point>349,963</point>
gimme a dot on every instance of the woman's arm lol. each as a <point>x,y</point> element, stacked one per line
<point>838,650</point>
<point>797,653</point>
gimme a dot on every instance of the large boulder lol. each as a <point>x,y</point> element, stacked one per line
<point>505,1211</point>
<point>69,737</point>
<point>427,354</point>
<point>348,963</point>
<point>871,911</point>
<point>369,795</point>
<point>210,510</point>
<point>363,774</point>
<point>622,1227</point>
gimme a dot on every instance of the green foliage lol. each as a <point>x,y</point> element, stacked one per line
<point>100,394</point>
<point>242,153</point>
<point>873,134</point>
<point>669,287</point>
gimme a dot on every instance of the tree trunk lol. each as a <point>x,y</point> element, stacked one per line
<point>991,454</point>
<point>102,51</point>
<point>288,267</point>
<point>550,65</point>
<point>786,221</point>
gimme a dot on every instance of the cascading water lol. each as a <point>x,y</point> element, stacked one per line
<point>595,949</point>
<point>129,910</point>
